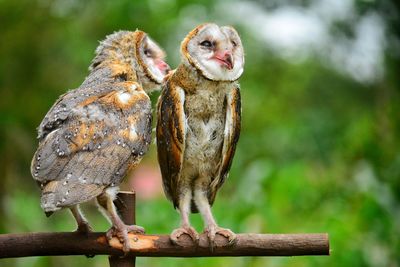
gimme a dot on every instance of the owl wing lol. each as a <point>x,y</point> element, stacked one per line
<point>171,134</point>
<point>92,146</point>
<point>97,84</point>
<point>231,137</point>
<point>63,109</point>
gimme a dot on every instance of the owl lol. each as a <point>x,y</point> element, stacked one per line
<point>198,126</point>
<point>93,135</point>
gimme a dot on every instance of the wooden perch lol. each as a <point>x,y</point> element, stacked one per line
<point>59,244</point>
<point>45,244</point>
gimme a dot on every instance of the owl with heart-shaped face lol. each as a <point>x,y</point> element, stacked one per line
<point>198,126</point>
<point>94,134</point>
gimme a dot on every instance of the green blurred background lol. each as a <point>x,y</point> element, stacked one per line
<point>319,150</point>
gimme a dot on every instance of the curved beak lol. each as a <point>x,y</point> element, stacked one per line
<point>162,66</point>
<point>225,58</point>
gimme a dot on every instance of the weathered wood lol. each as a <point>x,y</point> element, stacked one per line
<point>125,203</point>
<point>45,244</point>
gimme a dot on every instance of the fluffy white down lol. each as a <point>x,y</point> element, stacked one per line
<point>124,97</point>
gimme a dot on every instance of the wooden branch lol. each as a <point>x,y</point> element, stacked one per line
<point>45,244</point>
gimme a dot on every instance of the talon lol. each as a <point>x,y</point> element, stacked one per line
<point>135,229</point>
<point>110,233</point>
<point>122,235</point>
<point>227,233</point>
<point>212,231</point>
<point>190,231</point>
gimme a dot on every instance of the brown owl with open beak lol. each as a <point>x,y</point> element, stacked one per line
<point>93,135</point>
<point>199,113</point>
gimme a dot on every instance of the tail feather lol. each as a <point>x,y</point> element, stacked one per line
<point>58,194</point>
<point>48,213</point>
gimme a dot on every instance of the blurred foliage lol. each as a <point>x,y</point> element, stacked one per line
<point>319,151</point>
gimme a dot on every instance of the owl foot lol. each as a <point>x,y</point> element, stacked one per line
<point>121,232</point>
<point>188,230</point>
<point>84,228</point>
<point>212,230</point>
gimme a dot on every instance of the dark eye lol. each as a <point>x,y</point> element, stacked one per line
<point>147,52</point>
<point>206,43</point>
<point>234,43</point>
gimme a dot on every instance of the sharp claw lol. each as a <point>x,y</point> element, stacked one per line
<point>135,229</point>
<point>175,235</point>
<point>190,231</point>
<point>232,241</point>
<point>197,240</point>
<point>126,248</point>
<point>174,239</point>
<point>211,238</point>
<point>231,236</point>
<point>110,233</point>
<point>212,231</point>
<point>212,246</point>
<point>122,234</point>
<point>194,235</point>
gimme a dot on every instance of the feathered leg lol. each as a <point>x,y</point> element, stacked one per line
<point>211,227</point>
<point>83,224</point>
<point>186,228</point>
<point>118,228</point>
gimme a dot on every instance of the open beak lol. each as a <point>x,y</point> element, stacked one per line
<point>225,58</point>
<point>162,66</point>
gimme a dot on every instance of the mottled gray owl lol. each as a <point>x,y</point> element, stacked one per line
<point>199,123</point>
<point>94,134</point>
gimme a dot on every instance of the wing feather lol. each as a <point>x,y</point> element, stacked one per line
<point>93,146</point>
<point>171,135</point>
<point>231,137</point>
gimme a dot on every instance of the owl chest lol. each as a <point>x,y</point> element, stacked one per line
<point>205,118</point>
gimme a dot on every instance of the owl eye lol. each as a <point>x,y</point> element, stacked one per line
<point>206,43</point>
<point>147,52</point>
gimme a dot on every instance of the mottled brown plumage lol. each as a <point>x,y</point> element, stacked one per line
<point>198,124</point>
<point>94,134</point>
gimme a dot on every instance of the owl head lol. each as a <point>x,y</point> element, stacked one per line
<point>215,51</point>
<point>150,57</point>
<point>137,49</point>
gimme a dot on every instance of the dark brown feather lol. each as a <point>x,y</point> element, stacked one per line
<point>170,139</point>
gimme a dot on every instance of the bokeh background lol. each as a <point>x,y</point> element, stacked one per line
<point>319,150</point>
